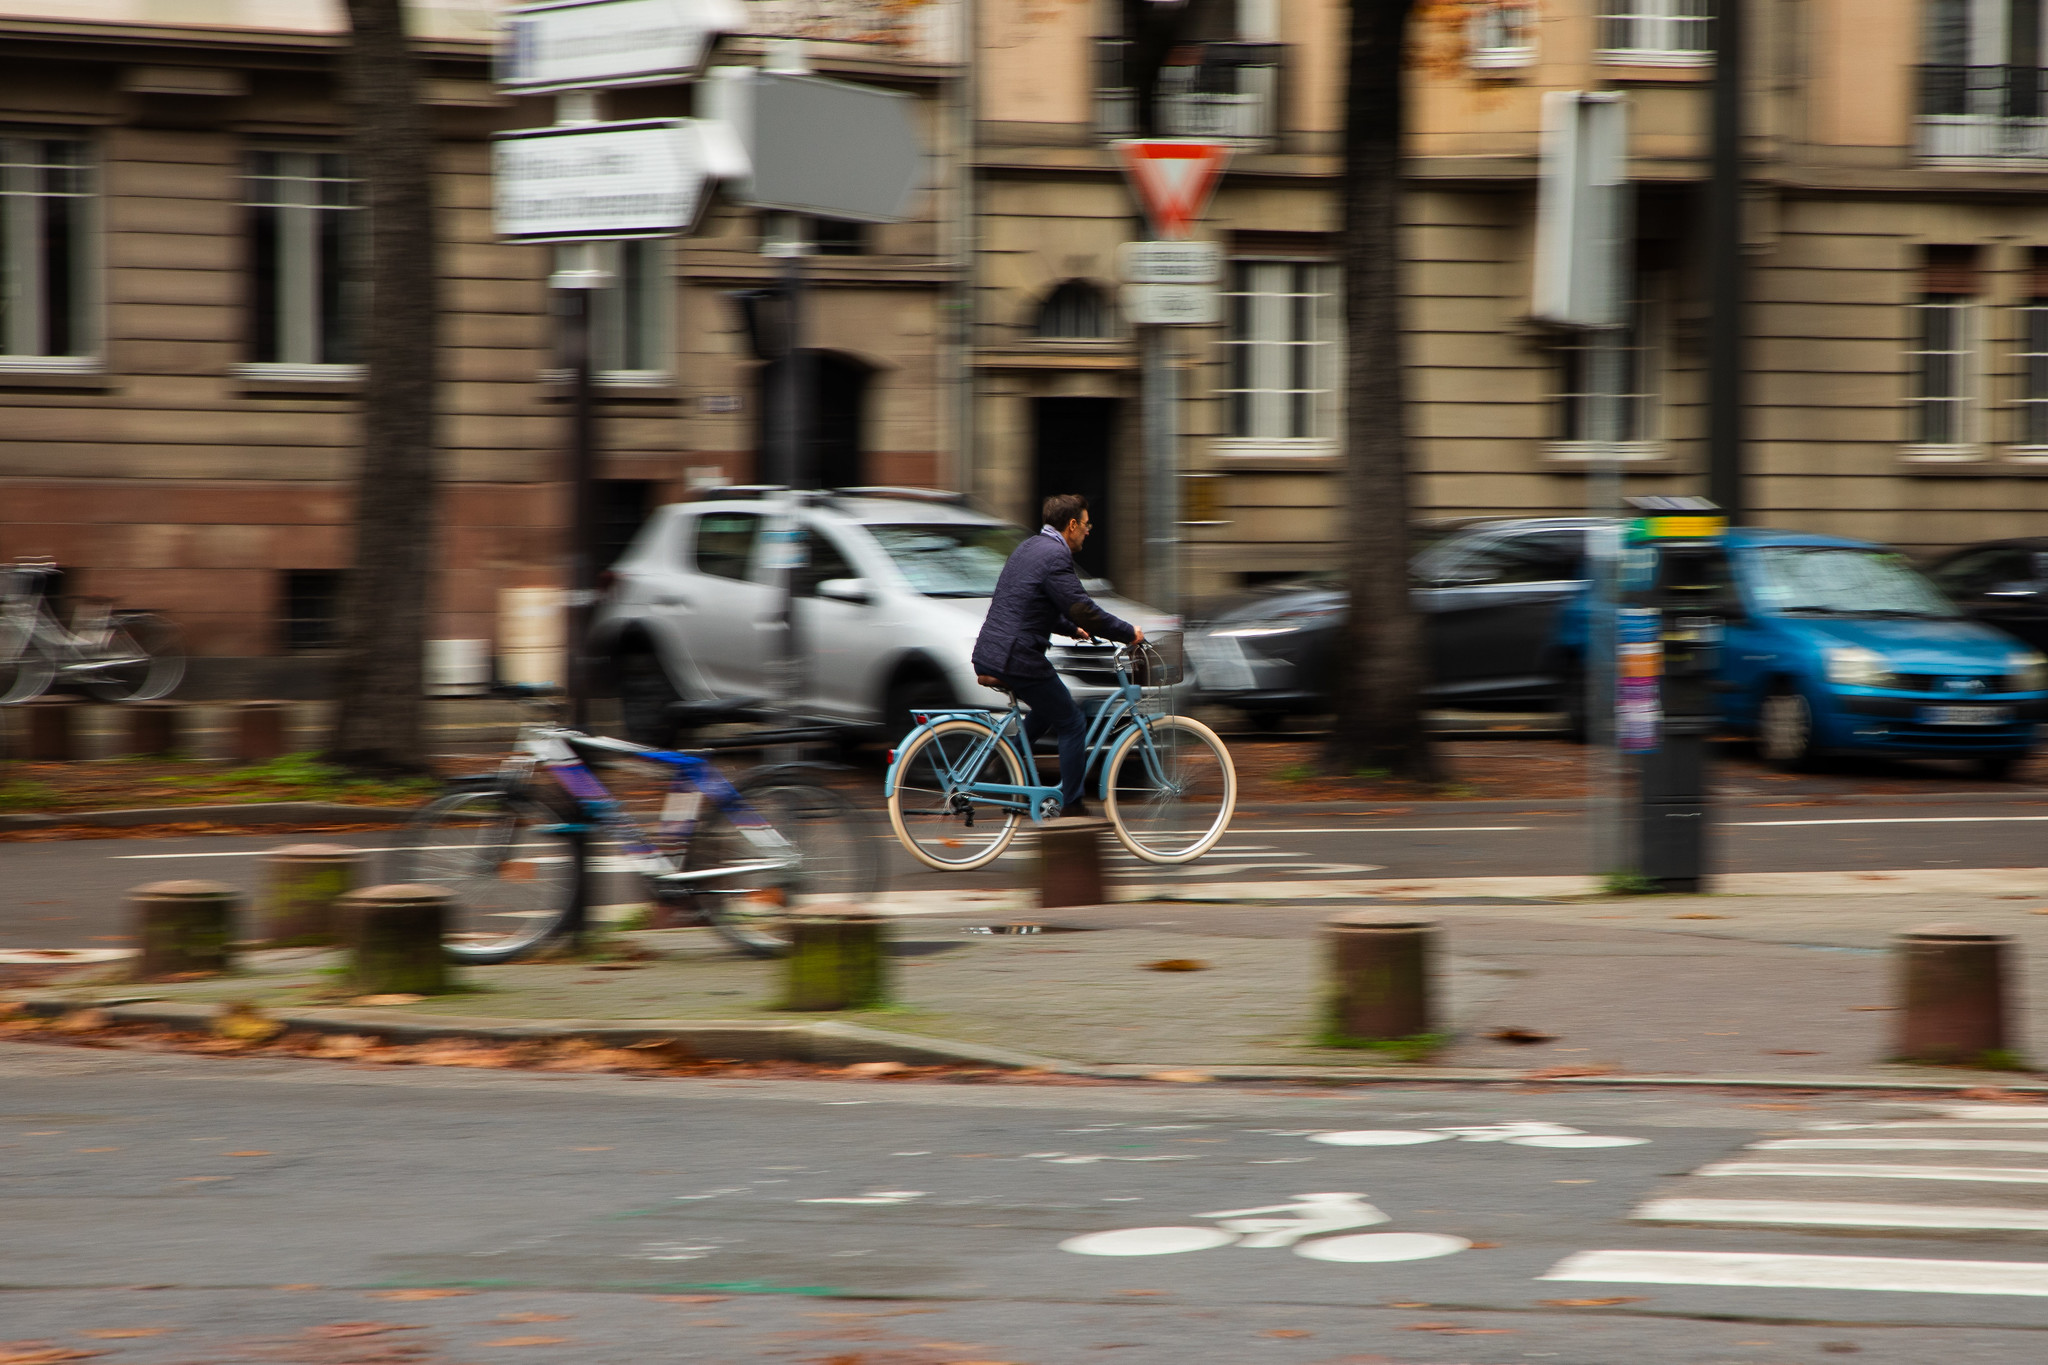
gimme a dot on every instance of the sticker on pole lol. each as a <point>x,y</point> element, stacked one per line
<point>1174,179</point>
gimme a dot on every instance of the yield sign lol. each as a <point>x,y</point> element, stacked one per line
<point>1173,178</point>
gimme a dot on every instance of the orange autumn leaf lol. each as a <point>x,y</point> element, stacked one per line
<point>1592,1303</point>
<point>414,1295</point>
<point>29,1353</point>
<point>532,1317</point>
<point>1287,1332</point>
<point>527,1341</point>
<point>360,1329</point>
<point>112,1333</point>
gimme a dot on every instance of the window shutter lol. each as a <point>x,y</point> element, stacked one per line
<point>1950,270</point>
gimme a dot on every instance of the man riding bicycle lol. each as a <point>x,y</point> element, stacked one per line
<point>1037,594</point>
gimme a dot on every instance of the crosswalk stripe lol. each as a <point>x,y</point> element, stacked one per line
<point>2004,1175</point>
<point>1894,1145</point>
<point>1768,1271</point>
<point>1939,1125</point>
<point>1814,1213</point>
<point>2001,1112</point>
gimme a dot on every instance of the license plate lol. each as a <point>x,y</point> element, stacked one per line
<point>1965,715</point>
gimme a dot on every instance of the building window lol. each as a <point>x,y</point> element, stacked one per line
<point>312,610</point>
<point>1075,311</point>
<point>629,319</point>
<point>2033,358</point>
<point>1281,350</point>
<point>305,277</point>
<point>1503,34</point>
<point>46,190</point>
<point>1629,381</point>
<point>1672,31</point>
<point>1982,84</point>
<point>839,237</point>
<point>1943,359</point>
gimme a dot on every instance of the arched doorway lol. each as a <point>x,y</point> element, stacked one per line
<point>836,435</point>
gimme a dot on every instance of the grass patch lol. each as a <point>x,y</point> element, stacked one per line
<point>1298,773</point>
<point>1417,1048</point>
<point>1628,884</point>
<point>22,794</point>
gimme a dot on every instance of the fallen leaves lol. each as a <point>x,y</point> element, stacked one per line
<point>1993,1094</point>
<point>360,1329</point>
<point>241,1022</point>
<point>81,1021</point>
<point>1592,1303</point>
<point>34,1353</point>
<point>1181,1077</point>
<point>1177,964</point>
<point>510,1318</point>
<point>1697,915</point>
<point>119,1333</point>
<point>527,1341</point>
<point>1452,1329</point>
<point>1517,1034</point>
<point>873,1069</point>
<point>1568,1071</point>
<point>394,998</point>
<point>1286,1332</point>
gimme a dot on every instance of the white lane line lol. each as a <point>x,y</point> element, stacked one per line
<point>1805,1213</point>
<point>237,853</point>
<point>2003,1175</point>
<point>1893,820</point>
<point>1403,829</point>
<point>1759,1270</point>
<point>1894,1145</point>
<point>2003,1112</point>
<point>1944,1125</point>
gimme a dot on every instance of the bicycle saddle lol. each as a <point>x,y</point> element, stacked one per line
<point>714,709</point>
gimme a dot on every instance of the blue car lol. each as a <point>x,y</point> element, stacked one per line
<point>1837,646</point>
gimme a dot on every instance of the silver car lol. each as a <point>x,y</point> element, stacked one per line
<point>893,592</point>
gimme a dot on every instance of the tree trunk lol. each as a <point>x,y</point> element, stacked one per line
<point>378,723</point>
<point>1381,665</point>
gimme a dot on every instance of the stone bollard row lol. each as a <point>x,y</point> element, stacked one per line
<point>838,959</point>
<point>1380,977</point>
<point>52,730</point>
<point>393,935</point>
<point>1070,862</point>
<point>303,884</point>
<point>259,733</point>
<point>1952,983</point>
<point>184,927</point>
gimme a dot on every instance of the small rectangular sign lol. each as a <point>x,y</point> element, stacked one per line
<point>591,44</point>
<point>603,180</point>
<point>1170,262</point>
<point>1172,304</point>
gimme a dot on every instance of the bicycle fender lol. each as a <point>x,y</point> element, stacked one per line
<point>1109,747</point>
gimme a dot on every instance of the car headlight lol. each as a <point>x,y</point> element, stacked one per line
<point>2027,671</point>
<point>1283,623</point>
<point>1854,666</point>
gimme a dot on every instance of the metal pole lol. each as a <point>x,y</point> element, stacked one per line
<point>583,498</point>
<point>793,458</point>
<point>1608,827</point>
<point>1160,405</point>
<point>1726,283</point>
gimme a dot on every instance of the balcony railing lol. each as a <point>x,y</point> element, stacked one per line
<point>1216,90</point>
<point>1983,112</point>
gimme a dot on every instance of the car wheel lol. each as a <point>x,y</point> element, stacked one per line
<point>645,694</point>
<point>1785,731</point>
<point>2000,767</point>
<point>915,694</point>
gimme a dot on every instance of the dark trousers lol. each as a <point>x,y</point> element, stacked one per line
<point>1052,708</point>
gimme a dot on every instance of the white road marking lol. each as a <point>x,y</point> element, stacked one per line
<point>1893,820</point>
<point>1894,1145</point>
<point>1148,1241</point>
<point>1380,1247</point>
<point>1969,1125</point>
<point>1817,1214</point>
<point>2002,1112</point>
<point>872,1197</point>
<point>1760,1270</point>
<point>1407,829</point>
<point>2003,1175</point>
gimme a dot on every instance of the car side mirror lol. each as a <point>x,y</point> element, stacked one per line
<point>854,590</point>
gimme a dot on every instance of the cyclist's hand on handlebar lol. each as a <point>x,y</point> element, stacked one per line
<point>1083,635</point>
<point>1137,636</point>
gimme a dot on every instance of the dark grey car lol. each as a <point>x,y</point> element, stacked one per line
<point>2003,583</point>
<point>1488,592</point>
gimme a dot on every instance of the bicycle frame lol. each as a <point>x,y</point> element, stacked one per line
<point>1039,802</point>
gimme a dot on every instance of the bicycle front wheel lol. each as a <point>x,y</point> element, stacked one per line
<point>25,669</point>
<point>1170,794</point>
<point>509,862</point>
<point>144,660</point>
<point>931,809</point>
<point>816,847</point>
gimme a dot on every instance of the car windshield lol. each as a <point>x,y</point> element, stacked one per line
<point>1838,581</point>
<point>957,559</point>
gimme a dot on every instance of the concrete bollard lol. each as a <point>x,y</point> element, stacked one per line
<point>1380,976</point>
<point>303,881</point>
<point>393,934</point>
<point>1070,861</point>
<point>183,927</point>
<point>152,728</point>
<point>52,723</point>
<point>259,731</point>
<point>838,959</point>
<point>1952,991</point>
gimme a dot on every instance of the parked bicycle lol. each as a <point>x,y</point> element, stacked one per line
<point>116,655</point>
<point>957,792</point>
<point>517,847</point>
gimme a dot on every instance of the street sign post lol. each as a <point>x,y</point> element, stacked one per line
<point>1174,179</point>
<point>608,181</point>
<point>827,148</point>
<point>1169,262</point>
<point>591,44</point>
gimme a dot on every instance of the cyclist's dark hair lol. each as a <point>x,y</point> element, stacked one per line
<point>1062,508</point>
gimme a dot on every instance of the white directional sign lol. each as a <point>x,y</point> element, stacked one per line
<point>830,148</point>
<point>590,44</point>
<point>1170,262</point>
<point>571,183</point>
<point>1172,304</point>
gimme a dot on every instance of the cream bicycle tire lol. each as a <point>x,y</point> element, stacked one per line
<point>1114,808</point>
<point>1010,818</point>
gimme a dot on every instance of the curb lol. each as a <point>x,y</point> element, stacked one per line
<point>835,1042</point>
<point>253,813</point>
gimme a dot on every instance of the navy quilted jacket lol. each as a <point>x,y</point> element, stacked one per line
<point>1038,593</point>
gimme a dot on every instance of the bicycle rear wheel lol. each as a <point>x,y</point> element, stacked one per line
<point>934,818</point>
<point>818,847</point>
<point>511,866</point>
<point>1170,798</point>
<point>25,670</point>
<point>145,660</point>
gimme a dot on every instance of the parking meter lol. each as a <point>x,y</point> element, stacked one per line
<point>1676,587</point>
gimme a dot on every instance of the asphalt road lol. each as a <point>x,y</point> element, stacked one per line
<point>69,893</point>
<point>173,1210</point>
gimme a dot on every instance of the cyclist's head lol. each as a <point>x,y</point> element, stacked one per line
<point>1062,510</point>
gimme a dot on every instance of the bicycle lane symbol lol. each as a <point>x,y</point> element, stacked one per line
<point>1302,1225</point>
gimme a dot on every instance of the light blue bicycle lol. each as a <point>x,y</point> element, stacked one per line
<point>956,786</point>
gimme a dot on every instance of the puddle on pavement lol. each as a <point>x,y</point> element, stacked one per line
<point>1025,927</point>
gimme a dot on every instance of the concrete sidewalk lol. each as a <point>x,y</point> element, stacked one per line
<point>1787,989</point>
